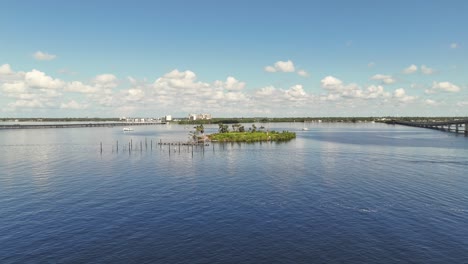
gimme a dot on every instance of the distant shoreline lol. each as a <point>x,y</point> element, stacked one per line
<point>235,120</point>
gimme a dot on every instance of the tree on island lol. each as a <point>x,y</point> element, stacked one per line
<point>223,128</point>
<point>197,133</point>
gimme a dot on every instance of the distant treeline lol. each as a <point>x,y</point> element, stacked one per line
<point>65,119</point>
<point>239,120</point>
<point>311,119</point>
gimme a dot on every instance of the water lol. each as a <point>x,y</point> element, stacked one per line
<point>339,193</point>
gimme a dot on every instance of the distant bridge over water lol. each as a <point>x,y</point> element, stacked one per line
<point>456,126</point>
<point>78,125</point>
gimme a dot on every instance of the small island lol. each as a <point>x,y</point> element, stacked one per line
<point>240,134</point>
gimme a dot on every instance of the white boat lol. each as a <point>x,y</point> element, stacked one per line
<point>305,129</point>
<point>127,129</point>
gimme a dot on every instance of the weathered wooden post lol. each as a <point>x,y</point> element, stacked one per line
<point>117,144</point>
<point>101,147</point>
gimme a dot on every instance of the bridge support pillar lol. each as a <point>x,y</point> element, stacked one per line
<point>466,129</point>
<point>456,128</point>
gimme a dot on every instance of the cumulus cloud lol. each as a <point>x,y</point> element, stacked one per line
<point>411,69</point>
<point>302,73</point>
<point>426,70</point>
<point>231,84</point>
<point>266,91</point>
<point>296,92</point>
<point>180,92</point>
<point>331,83</point>
<point>431,102</point>
<point>38,79</point>
<point>443,87</point>
<point>14,87</point>
<point>44,56</point>
<point>34,103</point>
<point>135,95</point>
<point>79,87</point>
<point>281,66</point>
<point>105,81</point>
<point>385,79</point>
<point>72,104</point>
<point>462,103</point>
<point>5,69</point>
<point>337,89</point>
<point>400,95</point>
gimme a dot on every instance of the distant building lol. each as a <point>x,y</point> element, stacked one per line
<point>167,118</point>
<point>193,117</point>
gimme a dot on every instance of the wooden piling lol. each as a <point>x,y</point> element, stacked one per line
<point>101,147</point>
<point>117,145</point>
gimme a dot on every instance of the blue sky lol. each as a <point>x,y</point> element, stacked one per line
<point>233,58</point>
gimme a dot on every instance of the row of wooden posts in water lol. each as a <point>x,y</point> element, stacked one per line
<point>178,146</point>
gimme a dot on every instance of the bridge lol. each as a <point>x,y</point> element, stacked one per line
<point>456,125</point>
<point>77,125</point>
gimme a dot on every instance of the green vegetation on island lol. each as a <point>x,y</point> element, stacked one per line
<point>240,134</point>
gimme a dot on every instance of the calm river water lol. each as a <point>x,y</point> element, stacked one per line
<point>338,193</point>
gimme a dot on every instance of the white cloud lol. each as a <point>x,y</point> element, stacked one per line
<point>431,102</point>
<point>266,91</point>
<point>302,73</point>
<point>400,95</point>
<point>385,79</point>
<point>331,83</point>
<point>79,87</point>
<point>411,69</point>
<point>107,80</point>
<point>454,45</point>
<point>281,66</point>
<point>44,56</point>
<point>72,104</point>
<point>376,92</point>
<point>231,84</point>
<point>426,70</point>
<point>38,79</point>
<point>26,104</point>
<point>337,89</point>
<point>14,87</point>
<point>185,80</point>
<point>5,69</point>
<point>135,95</point>
<point>462,103</point>
<point>296,92</point>
<point>443,87</point>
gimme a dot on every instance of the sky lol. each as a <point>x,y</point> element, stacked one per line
<point>233,58</point>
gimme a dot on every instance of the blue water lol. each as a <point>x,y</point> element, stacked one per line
<point>338,193</point>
